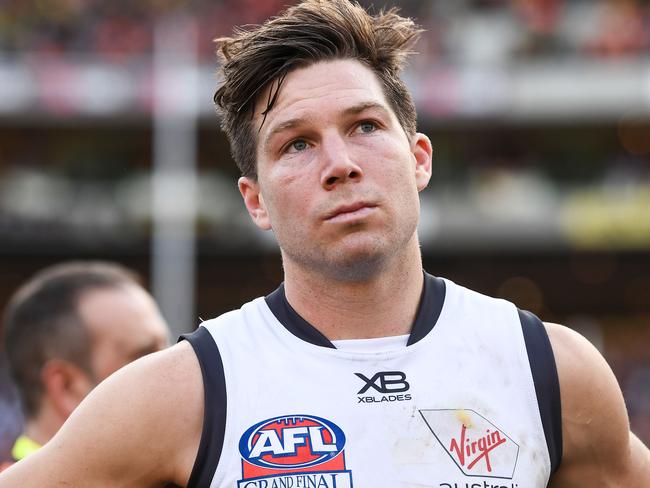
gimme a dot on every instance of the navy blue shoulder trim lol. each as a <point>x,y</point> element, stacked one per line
<point>547,384</point>
<point>431,301</point>
<point>214,415</point>
<point>292,321</point>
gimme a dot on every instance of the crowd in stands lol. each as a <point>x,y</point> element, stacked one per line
<point>118,30</point>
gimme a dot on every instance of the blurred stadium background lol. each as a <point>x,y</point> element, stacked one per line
<point>539,112</point>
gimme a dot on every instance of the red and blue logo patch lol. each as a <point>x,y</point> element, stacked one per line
<point>294,451</point>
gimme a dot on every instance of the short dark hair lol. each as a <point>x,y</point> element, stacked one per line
<point>42,322</point>
<point>312,31</point>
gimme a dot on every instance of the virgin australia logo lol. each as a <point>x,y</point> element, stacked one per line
<point>475,445</point>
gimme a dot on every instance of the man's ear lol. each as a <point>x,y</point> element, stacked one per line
<point>422,153</point>
<point>252,194</point>
<point>65,385</point>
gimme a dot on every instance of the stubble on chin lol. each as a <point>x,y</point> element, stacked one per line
<point>348,266</point>
<point>358,254</point>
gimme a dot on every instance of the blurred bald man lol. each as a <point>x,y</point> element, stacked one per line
<point>67,329</point>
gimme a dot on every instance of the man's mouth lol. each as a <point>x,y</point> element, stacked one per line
<point>350,212</point>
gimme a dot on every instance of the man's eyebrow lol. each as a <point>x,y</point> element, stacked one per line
<point>285,125</point>
<point>362,107</point>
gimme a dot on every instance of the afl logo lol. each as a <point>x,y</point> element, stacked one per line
<point>291,442</point>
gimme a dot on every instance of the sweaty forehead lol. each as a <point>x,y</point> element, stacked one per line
<point>323,86</point>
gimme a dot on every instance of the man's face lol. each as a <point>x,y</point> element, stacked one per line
<point>338,178</point>
<point>124,324</point>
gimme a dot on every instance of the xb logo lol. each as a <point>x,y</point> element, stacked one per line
<point>385,382</point>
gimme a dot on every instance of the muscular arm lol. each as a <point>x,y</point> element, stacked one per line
<point>599,449</point>
<point>139,428</point>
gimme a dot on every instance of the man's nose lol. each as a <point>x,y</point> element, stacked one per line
<point>338,165</point>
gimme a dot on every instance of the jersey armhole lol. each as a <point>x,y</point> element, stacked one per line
<point>547,384</point>
<point>214,411</point>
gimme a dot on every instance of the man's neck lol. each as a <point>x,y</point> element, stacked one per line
<point>385,305</point>
<point>43,426</point>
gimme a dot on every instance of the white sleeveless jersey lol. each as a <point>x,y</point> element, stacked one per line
<point>471,402</point>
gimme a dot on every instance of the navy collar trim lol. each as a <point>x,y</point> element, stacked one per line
<point>429,309</point>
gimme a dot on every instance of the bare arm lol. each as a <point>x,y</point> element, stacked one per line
<point>139,428</point>
<point>599,449</point>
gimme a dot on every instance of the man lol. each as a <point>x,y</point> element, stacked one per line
<point>67,329</point>
<point>360,370</point>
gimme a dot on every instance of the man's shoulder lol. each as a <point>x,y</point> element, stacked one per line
<point>158,397</point>
<point>249,313</point>
<point>171,374</point>
<point>598,446</point>
<point>458,292</point>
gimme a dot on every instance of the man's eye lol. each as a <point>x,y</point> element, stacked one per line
<point>297,146</point>
<point>367,127</point>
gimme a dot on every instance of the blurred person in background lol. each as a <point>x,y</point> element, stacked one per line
<point>68,328</point>
<point>360,369</point>
<point>11,419</point>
